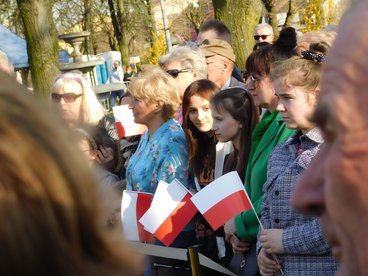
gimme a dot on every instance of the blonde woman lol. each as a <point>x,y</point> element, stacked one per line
<point>162,151</point>
<point>78,105</point>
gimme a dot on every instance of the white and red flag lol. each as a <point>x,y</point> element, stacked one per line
<point>170,211</point>
<point>222,199</point>
<point>124,122</point>
<point>133,206</point>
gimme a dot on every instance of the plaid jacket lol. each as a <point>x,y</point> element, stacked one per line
<point>306,250</point>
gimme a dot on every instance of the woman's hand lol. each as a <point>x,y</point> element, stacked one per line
<point>239,247</point>
<point>267,264</point>
<point>104,154</point>
<point>229,229</point>
<point>271,240</point>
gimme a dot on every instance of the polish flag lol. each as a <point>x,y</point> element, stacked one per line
<point>222,199</point>
<point>170,211</point>
<point>133,206</point>
<point>124,122</point>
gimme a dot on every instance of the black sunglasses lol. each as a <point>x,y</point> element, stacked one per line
<point>68,97</point>
<point>257,37</point>
<point>175,72</point>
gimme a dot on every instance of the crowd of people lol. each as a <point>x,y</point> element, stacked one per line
<point>292,126</point>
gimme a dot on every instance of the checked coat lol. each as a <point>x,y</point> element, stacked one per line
<point>306,250</point>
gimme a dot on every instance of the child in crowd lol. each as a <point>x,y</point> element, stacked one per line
<point>206,159</point>
<point>297,240</point>
<point>234,118</point>
<point>243,229</point>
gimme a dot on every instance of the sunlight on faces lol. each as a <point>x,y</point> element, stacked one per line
<point>184,78</point>
<point>143,111</point>
<point>71,111</point>
<point>265,35</point>
<point>339,170</point>
<point>200,113</point>
<point>215,69</point>
<point>263,92</point>
<point>295,104</point>
<point>226,128</point>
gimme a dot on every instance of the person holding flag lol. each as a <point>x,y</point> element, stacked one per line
<point>296,240</point>
<point>162,150</point>
<point>271,130</point>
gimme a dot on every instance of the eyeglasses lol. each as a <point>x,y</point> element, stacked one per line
<point>68,97</point>
<point>257,37</point>
<point>175,72</point>
<point>254,79</point>
<point>247,75</point>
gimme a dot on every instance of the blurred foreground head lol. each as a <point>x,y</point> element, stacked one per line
<point>53,223</point>
<point>334,187</point>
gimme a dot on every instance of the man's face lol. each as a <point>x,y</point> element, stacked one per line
<point>335,185</point>
<point>216,70</point>
<point>263,35</point>
<point>183,79</point>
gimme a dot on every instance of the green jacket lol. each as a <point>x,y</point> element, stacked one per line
<point>246,223</point>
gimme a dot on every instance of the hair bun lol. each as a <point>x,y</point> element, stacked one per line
<point>287,38</point>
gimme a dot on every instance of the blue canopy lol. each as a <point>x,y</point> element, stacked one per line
<point>14,47</point>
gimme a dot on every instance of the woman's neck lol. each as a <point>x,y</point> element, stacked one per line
<point>155,124</point>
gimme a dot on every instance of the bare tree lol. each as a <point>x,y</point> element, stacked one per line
<point>293,9</point>
<point>272,14</point>
<point>42,43</point>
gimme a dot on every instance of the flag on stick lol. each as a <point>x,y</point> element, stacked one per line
<point>124,121</point>
<point>222,199</point>
<point>133,206</point>
<point>170,211</point>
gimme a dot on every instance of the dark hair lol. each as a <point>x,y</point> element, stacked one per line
<point>259,62</point>
<point>239,103</point>
<point>222,31</point>
<point>199,143</point>
<point>260,45</point>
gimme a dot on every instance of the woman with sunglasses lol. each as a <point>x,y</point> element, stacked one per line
<point>185,65</point>
<point>243,229</point>
<point>78,105</point>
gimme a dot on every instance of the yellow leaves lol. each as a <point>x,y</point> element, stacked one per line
<point>157,49</point>
<point>320,13</point>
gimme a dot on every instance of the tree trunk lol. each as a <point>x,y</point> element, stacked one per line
<point>241,17</point>
<point>42,43</point>
<point>114,19</point>
<point>123,45</point>
<point>272,15</point>
<point>91,45</point>
<point>151,20</point>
